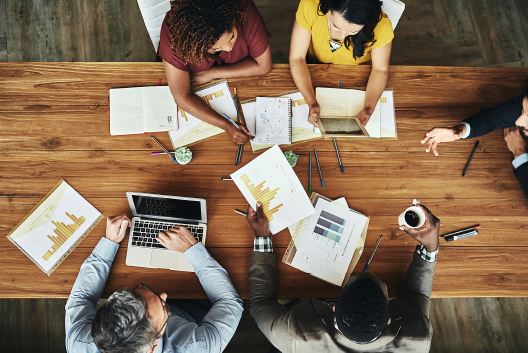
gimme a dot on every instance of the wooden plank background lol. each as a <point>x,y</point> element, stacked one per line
<point>54,124</point>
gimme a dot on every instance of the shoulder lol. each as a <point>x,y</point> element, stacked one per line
<point>414,323</point>
<point>307,13</point>
<point>383,33</point>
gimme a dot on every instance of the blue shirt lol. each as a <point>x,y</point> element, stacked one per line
<point>183,334</point>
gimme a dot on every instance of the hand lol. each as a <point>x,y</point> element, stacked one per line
<point>258,221</point>
<point>238,137</point>
<point>116,227</point>
<point>428,235</point>
<point>313,114</point>
<point>442,134</point>
<point>201,77</point>
<point>364,116</point>
<point>515,142</point>
<point>177,239</point>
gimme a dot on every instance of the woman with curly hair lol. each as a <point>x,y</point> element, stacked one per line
<point>202,40</point>
<point>346,32</point>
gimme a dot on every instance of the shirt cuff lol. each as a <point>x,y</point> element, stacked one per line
<point>426,255</point>
<point>197,255</point>
<point>468,129</point>
<point>517,162</point>
<point>263,244</point>
<point>106,249</point>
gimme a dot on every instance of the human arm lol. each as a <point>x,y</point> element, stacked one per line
<point>244,68</point>
<point>377,80</point>
<point>418,283</point>
<point>519,147</point>
<point>300,41</point>
<point>89,285</point>
<point>180,87</point>
<point>220,323</point>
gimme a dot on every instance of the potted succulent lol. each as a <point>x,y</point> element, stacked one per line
<point>183,155</point>
<point>291,158</point>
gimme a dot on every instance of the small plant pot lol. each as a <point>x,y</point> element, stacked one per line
<point>291,158</point>
<point>183,155</point>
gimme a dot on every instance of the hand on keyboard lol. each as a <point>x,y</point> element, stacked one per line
<point>177,239</point>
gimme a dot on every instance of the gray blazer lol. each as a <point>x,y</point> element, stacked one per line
<point>309,325</point>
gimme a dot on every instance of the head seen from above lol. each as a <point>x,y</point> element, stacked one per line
<point>522,121</point>
<point>131,320</point>
<point>204,27</point>
<point>362,311</point>
<point>352,22</point>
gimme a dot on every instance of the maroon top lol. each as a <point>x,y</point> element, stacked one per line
<point>252,40</point>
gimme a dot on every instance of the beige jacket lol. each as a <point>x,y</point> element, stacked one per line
<point>309,325</point>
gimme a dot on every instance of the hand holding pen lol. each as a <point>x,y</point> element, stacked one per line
<point>239,133</point>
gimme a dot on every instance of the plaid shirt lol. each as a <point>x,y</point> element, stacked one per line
<point>263,244</point>
<point>426,255</point>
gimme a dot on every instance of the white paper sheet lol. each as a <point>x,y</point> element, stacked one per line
<point>126,111</point>
<point>159,109</point>
<point>273,120</point>
<point>270,179</point>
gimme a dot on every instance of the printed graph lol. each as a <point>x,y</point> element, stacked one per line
<point>264,196</point>
<point>209,97</point>
<point>330,226</point>
<point>63,233</point>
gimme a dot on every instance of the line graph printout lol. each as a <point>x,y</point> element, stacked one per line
<point>53,227</point>
<point>270,179</point>
<point>327,245</point>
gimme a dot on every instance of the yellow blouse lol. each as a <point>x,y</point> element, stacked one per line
<point>319,51</point>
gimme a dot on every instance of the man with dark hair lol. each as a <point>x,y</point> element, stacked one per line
<point>364,319</point>
<point>139,320</point>
<point>511,115</point>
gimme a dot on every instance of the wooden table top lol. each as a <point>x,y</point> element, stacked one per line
<point>54,124</point>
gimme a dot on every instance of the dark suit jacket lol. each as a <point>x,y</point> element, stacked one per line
<point>501,116</point>
<point>309,325</point>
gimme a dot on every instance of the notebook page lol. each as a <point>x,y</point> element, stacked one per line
<point>333,101</point>
<point>388,117</point>
<point>126,111</point>
<point>159,109</point>
<point>356,100</point>
<point>273,120</point>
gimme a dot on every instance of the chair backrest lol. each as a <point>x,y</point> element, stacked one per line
<point>153,12</point>
<point>393,9</point>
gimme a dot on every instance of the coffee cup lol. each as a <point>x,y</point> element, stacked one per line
<point>412,217</point>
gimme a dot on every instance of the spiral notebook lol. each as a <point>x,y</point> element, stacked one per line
<point>274,120</point>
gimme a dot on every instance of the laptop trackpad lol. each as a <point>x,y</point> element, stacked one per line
<point>172,260</point>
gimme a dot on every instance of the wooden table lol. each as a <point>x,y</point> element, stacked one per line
<point>54,124</point>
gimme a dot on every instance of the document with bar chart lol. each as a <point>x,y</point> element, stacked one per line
<point>270,179</point>
<point>327,244</point>
<point>55,226</point>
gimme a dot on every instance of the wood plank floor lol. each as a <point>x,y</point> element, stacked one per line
<point>431,32</point>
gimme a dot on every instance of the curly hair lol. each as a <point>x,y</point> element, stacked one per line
<point>197,24</point>
<point>360,12</point>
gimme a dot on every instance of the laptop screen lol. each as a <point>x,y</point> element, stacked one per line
<point>165,207</point>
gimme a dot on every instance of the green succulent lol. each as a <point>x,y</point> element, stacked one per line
<point>291,157</point>
<point>183,155</point>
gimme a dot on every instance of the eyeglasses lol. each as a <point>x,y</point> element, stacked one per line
<point>163,303</point>
<point>372,340</point>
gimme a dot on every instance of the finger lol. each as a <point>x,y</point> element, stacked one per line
<point>260,212</point>
<point>428,146</point>
<point>435,151</point>
<point>250,211</point>
<point>430,132</point>
<point>122,229</point>
<point>425,138</point>
<point>163,237</point>
<point>245,129</point>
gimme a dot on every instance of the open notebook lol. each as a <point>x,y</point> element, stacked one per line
<point>273,120</point>
<point>137,110</point>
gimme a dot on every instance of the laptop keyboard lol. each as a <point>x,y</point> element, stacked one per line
<point>146,232</point>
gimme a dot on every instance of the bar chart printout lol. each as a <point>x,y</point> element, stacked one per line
<point>264,196</point>
<point>62,233</point>
<point>330,226</point>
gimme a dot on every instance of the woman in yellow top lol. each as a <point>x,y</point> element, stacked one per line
<point>346,32</point>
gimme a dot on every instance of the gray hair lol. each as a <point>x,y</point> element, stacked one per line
<point>122,324</point>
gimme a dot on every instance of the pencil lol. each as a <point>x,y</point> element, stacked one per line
<point>240,213</point>
<point>470,158</point>
<point>310,175</point>
<point>164,149</point>
<point>159,153</point>
<point>319,168</point>
<point>372,255</point>
<point>240,147</point>
<point>338,158</point>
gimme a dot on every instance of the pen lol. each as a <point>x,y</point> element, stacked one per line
<point>460,231</point>
<point>159,153</point>
<point>231,121</point>
<point>470,158</point>
<point>319,168</point>
<point>227,179</point>
<point>337,151</point>
<point>240,147</point>
<point>460,236</point>
<point>163,148</point>
<point>240,213</point>
<point>310,175</point>
<point>372,255</point>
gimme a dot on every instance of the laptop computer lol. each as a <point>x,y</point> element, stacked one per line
<point>152,214</point>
